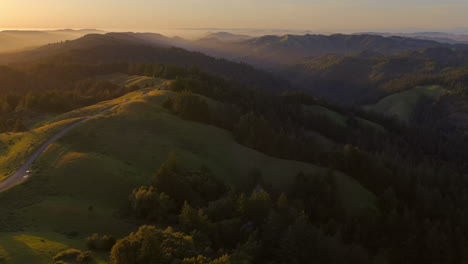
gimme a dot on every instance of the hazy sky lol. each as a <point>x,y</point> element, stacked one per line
<point>147,15</point>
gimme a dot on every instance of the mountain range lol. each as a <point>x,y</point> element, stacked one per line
<point>442,37</point>
<point>265,51</point>
<point>344,68</point>
<point>272,51</point>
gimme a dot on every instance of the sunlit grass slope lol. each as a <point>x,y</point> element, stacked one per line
<point>98,164</point>
<point>15,148</point>
<point>20,247</point>
<point>129,80</point>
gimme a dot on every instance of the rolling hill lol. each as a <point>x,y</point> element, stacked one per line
<point>141,48</point>
<point>362,68</point>
<point>365,77</point>
<point>100,162</point>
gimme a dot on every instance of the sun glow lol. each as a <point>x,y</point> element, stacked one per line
<point>147,15</point>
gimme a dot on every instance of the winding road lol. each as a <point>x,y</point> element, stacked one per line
<point>22,173</point>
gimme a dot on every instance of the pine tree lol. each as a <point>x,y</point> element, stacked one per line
<point>169,179</point>
<point>259,206</point>
<point>282,202</point>
<point>192,219</point>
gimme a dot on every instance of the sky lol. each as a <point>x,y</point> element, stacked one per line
<point>314,15</point>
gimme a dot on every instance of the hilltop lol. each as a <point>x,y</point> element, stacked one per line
<point>227,37</point>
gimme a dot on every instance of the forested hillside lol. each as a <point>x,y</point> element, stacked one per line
<point>138,48</point>
<point>202,160</point>
<point>367,76</point>
<point>59,77</point>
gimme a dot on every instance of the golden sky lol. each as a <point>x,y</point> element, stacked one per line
<point>140,15</point>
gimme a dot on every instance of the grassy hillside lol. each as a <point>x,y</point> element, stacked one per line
<point>402,105</point>
<point>100,162</point>
<point>122,79</point>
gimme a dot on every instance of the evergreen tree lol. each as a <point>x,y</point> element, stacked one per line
<point>170,179</point>
<point>258,206</point>
<point>192,219</point>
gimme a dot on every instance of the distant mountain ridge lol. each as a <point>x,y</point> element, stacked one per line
<point>227,37</point>
<point>266,51</point>
<point>141,48</point>
<point>345,68</point>
<point>14,40</point>
<point>442,37</point>
<point>91,41</point>
<point>289,49</point>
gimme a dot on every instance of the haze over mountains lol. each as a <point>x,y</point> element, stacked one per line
<point>345,68</point>
<point>443,37</point>
<point>290,49</point>
<point>14,40</point>
<point>253,49</point>
<point>272,49</point>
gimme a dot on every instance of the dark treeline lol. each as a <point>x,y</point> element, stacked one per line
<point>191,217</point>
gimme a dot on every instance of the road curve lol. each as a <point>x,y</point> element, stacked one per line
<point>21,174</point>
